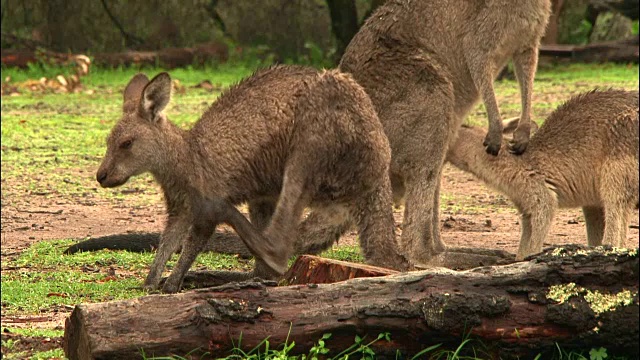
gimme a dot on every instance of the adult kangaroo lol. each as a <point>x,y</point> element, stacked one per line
<point>425,64</point>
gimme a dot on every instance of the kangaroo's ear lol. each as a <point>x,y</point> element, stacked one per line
<point>155,96</point>
<point>510,125</point>
<point>133,91</point>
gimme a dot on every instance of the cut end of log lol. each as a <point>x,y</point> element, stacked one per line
<point>309,269</point>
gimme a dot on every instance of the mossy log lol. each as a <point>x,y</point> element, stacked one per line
<point>577,298</point>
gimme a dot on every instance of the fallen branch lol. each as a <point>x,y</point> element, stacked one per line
<point>576,298</point>
<point>624,51</point>
<point>169,57</point>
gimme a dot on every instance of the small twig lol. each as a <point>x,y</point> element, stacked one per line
<point>211,9</point>
<point>634,226</point>
<point>57,212</point>
<point>41,193</point>
<point>27,319</point>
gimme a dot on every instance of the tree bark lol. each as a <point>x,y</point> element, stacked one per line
<point>509,308</point>
<point>344,23</point>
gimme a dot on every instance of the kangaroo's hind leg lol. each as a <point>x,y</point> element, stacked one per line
<point>594,219</point>
<point>374,214</point>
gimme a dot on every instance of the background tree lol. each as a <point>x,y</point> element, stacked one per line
<point>344,23</point>
<point>303,31</point>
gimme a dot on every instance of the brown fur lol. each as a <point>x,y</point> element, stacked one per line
<point>585,154</point>
<point>425,64</point>
<point>285,138</point>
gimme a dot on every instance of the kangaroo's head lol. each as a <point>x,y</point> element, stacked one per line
<point>136,143</point>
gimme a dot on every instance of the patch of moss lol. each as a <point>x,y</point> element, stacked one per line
<point>559,251</point>
<point>561,293</point>
<point>601,303</point>
<point>598,302</point>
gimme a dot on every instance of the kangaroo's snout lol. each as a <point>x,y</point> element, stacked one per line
<point>101,176</point>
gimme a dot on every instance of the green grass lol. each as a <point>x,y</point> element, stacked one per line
<point>44,278</point>
<point>52,145</point>
<point>554,85</point>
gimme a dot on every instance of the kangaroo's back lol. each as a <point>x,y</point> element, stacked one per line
<point>246,132</point>
<point>266,94</point>
<point>594,125</point>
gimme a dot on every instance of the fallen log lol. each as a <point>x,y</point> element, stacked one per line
<point>168,58</point>
<point>623,51</point>
<point>577,298</point>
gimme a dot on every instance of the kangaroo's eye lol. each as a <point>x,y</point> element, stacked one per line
<point>126,144</point>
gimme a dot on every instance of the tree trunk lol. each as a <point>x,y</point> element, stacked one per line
<point>520,309</point>
<point>551,35</point>
<point>344,23</point>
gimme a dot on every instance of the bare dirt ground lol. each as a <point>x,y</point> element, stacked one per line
<point>472,215</point>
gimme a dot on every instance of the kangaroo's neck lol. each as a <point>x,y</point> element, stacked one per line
<point>175,166</point>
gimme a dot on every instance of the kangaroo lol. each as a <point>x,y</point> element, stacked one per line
<point>585,154</point>
<point>424,64</point>
<point>284,138</point>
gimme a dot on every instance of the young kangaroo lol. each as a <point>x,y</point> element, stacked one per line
<point>585,154</point>
<point>424,65</point>
<point>285,138</point>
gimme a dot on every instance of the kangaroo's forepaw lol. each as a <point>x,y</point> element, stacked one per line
<point>520,141</point>
<point>492,144</point>
<point>517,148</point>
<point>492,149</point>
